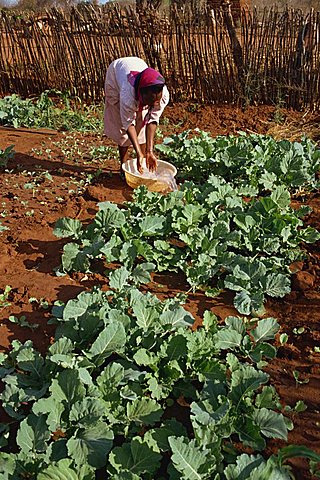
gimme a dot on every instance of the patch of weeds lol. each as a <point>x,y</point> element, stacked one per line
<point>71,148</point>
<point>164,121</point>
<point>158,135</point>
<point>36,180</point>
<point>3,228</point>
<point>104,152</point>
<point>278,115</point>
<point>42,152</point>
<point>90,177</point>
<point>298,331</point>
<point>193,107</point>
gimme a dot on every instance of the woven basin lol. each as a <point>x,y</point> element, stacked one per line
<point>154,181</point>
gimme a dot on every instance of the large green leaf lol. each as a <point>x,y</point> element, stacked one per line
<point>147,316</point>
<point>30,361</point>
<point>67,387</point>
<point>111,340</point>
<point>178,317</point>
<point>136,457</point>
<point>110,378</point>
<point>33,434</point>
<point>77,307</point>
<point>281,196</point>
<point>175,348</point>
<point>228,339</point>
<point>145,410</point>
<point>245,464</point>
<point>157,438</point>
<point>91,445</point>
<point>271,424</point>
<point>265,330</point>
<point>151,225</point>
<point>74,258</point>
<point>249,433</point>
<point>277,285</point>
<point>244,380</point>
<point>67,227</point>
<point>119,278</point>
<point>87,411</point>
<point>7,465</point>
<point>109,216</point>
<point>141,274</point>
<point>189,459</point>
<point>53,408</point>
<point>59,471</point>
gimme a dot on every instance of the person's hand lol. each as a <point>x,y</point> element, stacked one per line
<point>151,161</point>
<point>140,157</point>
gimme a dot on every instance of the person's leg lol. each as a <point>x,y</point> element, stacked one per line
<point>123,154</point>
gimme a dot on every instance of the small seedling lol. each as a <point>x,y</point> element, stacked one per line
<point>298,331</point>
<point>103,152</point>
<point>3,228</point>
<point>4,296</point>
<point>300,406</point>
<point>296,375</point>
<point>41,302</point>
<point>23,322</point>
<point>212,292</point>
<point>283,338</point>
<point>6,155</point>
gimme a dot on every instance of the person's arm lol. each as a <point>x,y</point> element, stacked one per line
<point>151,159</point>
<point>132,134</point>
<point>153,121</point>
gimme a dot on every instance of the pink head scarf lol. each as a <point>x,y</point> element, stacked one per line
<point>146,78</point>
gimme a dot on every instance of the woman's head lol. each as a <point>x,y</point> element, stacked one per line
<point>148,86</point>
<point>151,95</point>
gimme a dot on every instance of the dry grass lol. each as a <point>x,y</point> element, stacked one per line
<point>308,126</point>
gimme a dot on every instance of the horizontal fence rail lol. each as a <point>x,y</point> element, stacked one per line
<point>272,58</point>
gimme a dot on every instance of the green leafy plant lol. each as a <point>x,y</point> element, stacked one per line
<point>6,155</point>
<point>44,112</point>
<point>103,397</point>
<point>4,297</point>
<point>23,322</point>
<point>104,152</point>
<point>207,231</point>
<point>256,160</point>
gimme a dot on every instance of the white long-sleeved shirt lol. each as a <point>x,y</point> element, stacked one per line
<point>119,90</point>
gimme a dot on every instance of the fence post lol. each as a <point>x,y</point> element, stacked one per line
<point>235,44</point>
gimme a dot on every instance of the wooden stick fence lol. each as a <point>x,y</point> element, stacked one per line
<point>273,58</point>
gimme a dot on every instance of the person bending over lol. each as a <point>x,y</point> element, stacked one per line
<point>135,97</point>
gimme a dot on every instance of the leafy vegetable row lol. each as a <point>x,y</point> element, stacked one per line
<point>207,231</point>
<point>256,160</point>
<point>105,396</point>
<point>44,112</point>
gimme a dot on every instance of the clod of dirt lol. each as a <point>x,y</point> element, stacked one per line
<point>303,281</point>
<point>296,266</point>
